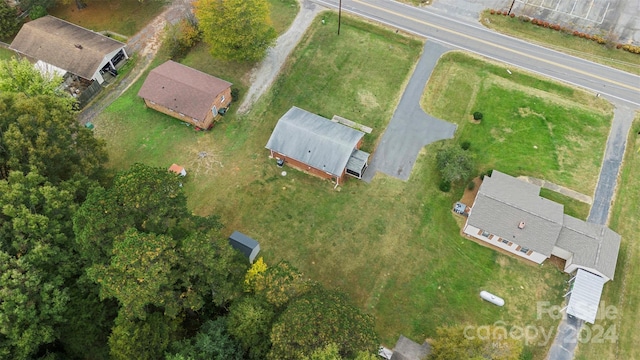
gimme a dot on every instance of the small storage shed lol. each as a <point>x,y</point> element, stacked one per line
<point>246,245</point>
<point>179,170</point>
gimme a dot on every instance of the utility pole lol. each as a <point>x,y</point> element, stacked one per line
<point>339,15</point>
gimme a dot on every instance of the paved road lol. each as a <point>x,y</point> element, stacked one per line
<point>614,152</point>
<point>611,83</point>
<point>410,128</point>
<point>566,339</point>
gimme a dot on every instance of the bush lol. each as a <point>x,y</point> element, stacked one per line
<point>477,116</point>
<point>37,12</point>
<point>181,37</point>
<point>512,15</point>
<point>489,172</point>
<point>445,186</point>
<point>471,185</point>
<point>235,94</point>
<point>465,145</point>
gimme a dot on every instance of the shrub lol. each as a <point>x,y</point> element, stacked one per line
<point>465,145</point>
<point>445,186</point>
<point>489,172</point>
<point>37,12</point>
<point>534,21</point>
<point>492,11</point>
<point>471,185</point>
<point>512,15</point>
<point>181,37</point>
<point>235,94</point>
<point>477,116</point>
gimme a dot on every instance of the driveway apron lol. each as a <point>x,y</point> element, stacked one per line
<point>410,128</point>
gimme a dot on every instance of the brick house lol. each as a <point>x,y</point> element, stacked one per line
<point>318,146</point>
<point>186,94</point>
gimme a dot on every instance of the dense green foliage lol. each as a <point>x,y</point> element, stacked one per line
<point>9,23</point>
<point>455,163</point>
<point>460,342</point>
<point>239,30</point>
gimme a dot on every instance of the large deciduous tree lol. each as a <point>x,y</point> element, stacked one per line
<point>9,23</point>
<point>41,132</point>
<point>212,342</point>
<point>320,318</point>
<point>237,30</point>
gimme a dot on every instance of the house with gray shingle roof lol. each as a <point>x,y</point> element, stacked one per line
<point>55,45</point>
<point>318,146</point>
<point>510,214</point>
<point>186,94</point>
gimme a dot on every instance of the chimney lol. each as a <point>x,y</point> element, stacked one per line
<point>521,225</point>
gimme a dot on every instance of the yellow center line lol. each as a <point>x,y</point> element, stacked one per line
<point>500,46</point>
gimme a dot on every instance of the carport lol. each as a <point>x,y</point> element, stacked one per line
<point>584,296</point>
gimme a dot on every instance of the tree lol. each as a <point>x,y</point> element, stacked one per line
<point>237,30</point>
<point>32,306</point>
<point>20,76</point>
<point>140,339</point>
<point>453,343</point>
<point>9,23</point>
<point>41,132</point>
<point>317,319</point>
<point>212,342</point>
<point>330,352</point>
<point>277,284</point>
<point>249,321</point>
<point>454,163</point>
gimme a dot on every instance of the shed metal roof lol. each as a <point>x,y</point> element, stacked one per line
<point>314,140</point>
<point>64,45</point>
<point>242,243</point>
<point>585,296</point>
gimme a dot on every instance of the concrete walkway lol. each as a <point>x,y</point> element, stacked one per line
<point>613,155</point>
<point>557,188</point>
<point>410,129</point>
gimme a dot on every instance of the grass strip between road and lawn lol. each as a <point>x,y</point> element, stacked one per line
<point>393,246</point>
<point>563,42</point>
<point>623,292</point>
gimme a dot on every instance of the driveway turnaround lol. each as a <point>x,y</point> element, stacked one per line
<point>614,152</point>
<point>410,128</point>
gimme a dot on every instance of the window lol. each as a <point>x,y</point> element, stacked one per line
<point>485,233</point>
<point>505,241</point>
<point>524,250</point>
<point>214,110</point>
<point>222,99</point>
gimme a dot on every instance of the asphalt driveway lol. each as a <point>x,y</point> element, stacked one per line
<point>410,128</point>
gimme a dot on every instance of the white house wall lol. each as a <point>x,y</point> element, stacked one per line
<point>569,268</point>
<point>495,241</point>
<point>49,71</point>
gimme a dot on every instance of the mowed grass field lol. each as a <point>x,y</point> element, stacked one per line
<point>530,127</point>
<point>393,246</point>
<point>624,291</point>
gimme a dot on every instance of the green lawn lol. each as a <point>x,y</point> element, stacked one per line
<point>393,246</point>
<point>624,291</point>
<point>6,54</point>
<point>531,126</point>
<point>282,13</point>
<point>563,42</point>
<point>572,207</point>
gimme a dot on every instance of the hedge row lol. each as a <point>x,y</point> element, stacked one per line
<point>599,39</point>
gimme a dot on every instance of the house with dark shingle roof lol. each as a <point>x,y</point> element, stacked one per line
<point>510,214</point>
<point>55,45</point>
<point>318,146</point>
<point>186,94</point>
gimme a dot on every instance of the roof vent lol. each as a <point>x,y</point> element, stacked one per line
<point>78,46</point>
<point>521,225</point>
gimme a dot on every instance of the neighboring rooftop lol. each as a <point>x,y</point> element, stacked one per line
<point>314,140</point>
<point>182,89</point>
<point>64,45</point>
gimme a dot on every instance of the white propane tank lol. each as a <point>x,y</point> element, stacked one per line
<point>492,298</point>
